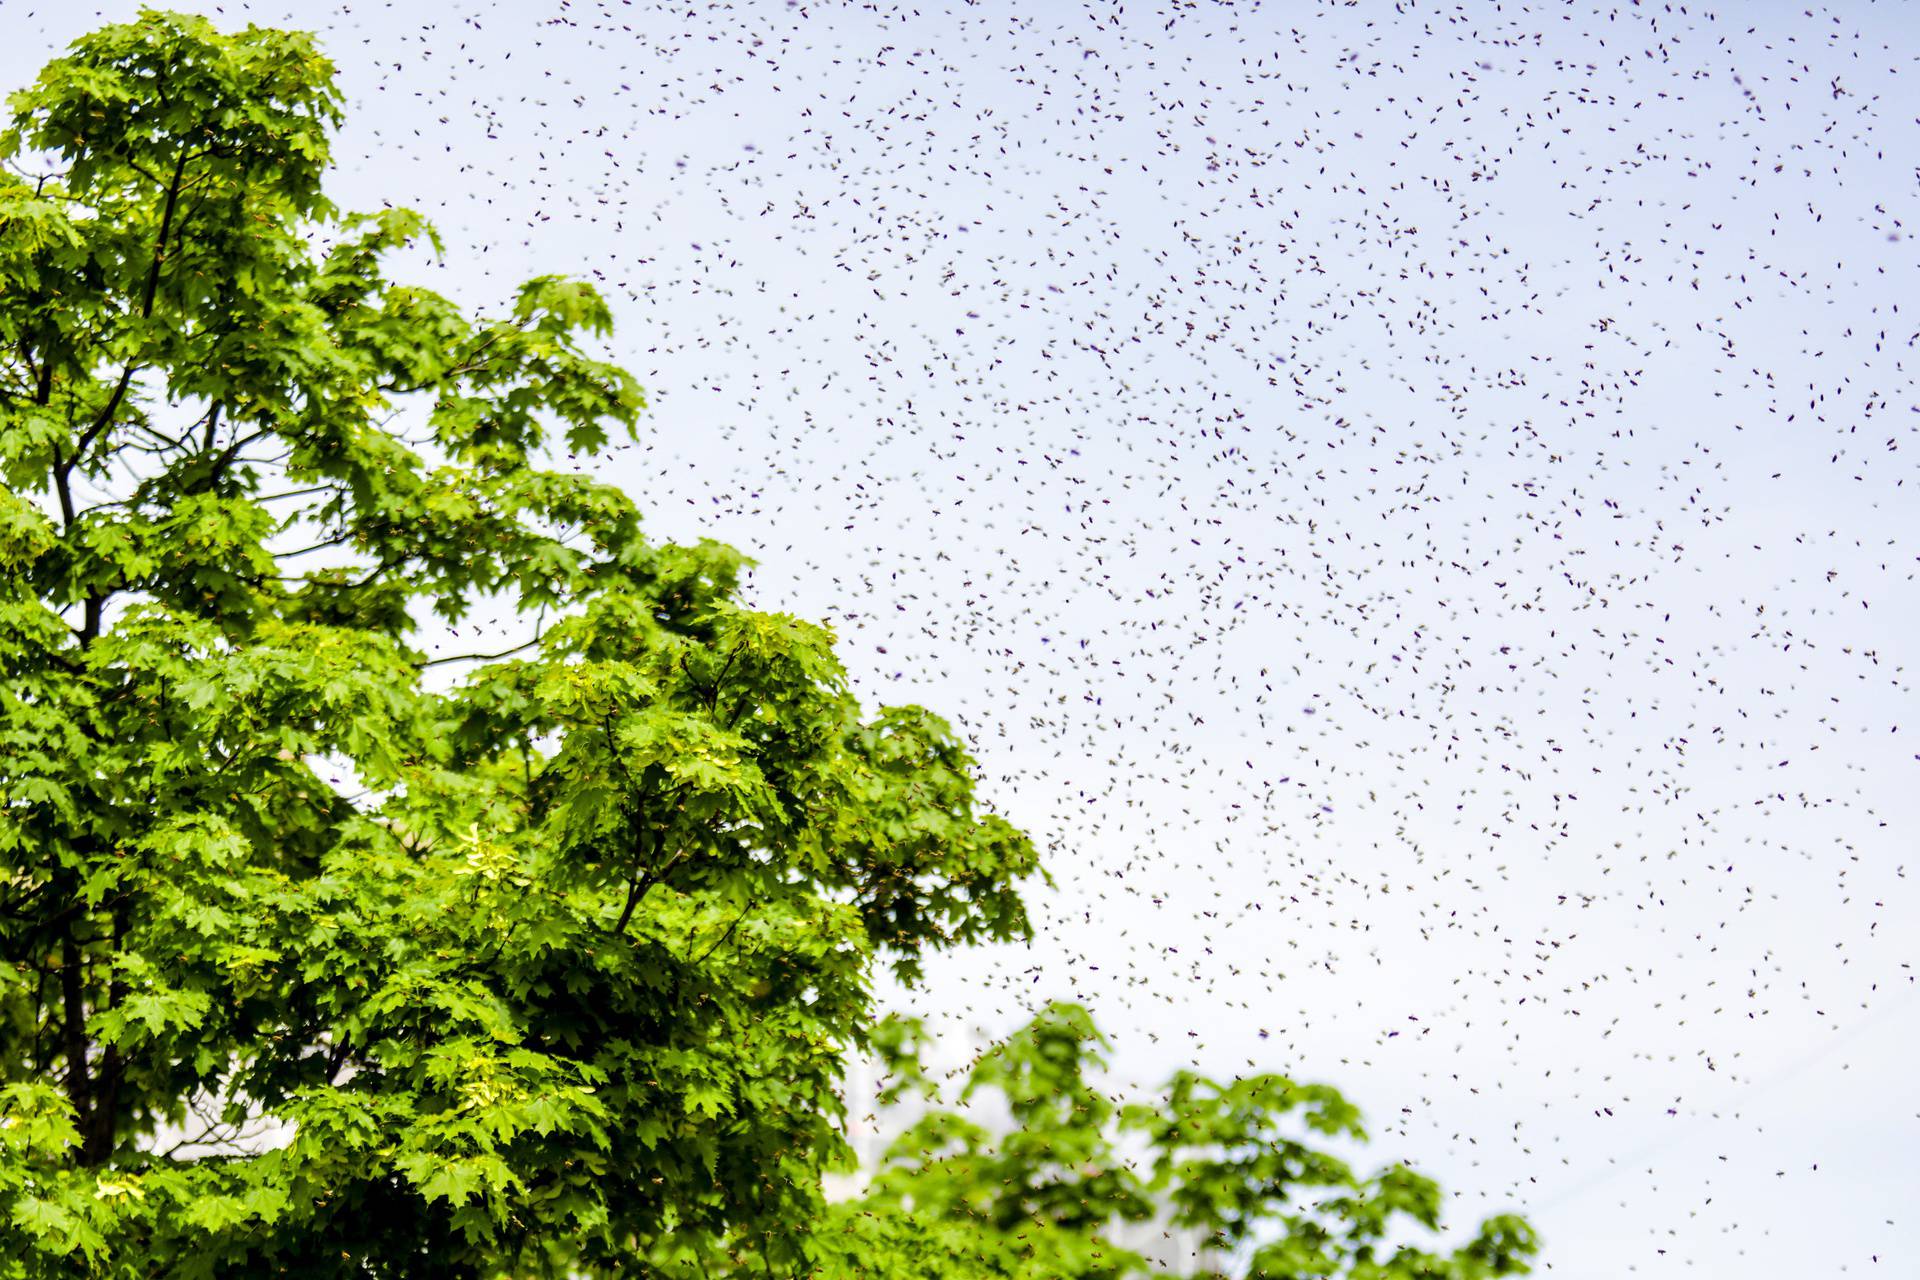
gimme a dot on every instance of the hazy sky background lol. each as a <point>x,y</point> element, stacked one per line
<point>1410,503</point>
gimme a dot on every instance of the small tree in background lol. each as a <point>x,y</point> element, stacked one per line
<point>532,975</point>
<point>1235,1164</point>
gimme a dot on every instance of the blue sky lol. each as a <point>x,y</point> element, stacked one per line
<point>1409,503</point>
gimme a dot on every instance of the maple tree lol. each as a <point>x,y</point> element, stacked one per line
<point>522,975</point>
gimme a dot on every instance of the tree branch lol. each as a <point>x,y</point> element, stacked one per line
<point>383,567</point>
<point>744,912</point>
<point>340,541</point>
<point>483,657</point>
<point>637,889</point>
<point>151,291</point>
<point>73,1026</point>
<point>166,229</point>
<point>98,1146</point>
<point>713,694</point>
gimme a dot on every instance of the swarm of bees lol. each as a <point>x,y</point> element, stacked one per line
<point>1407,500</point>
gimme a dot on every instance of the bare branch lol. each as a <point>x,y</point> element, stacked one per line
<point>483,657</point>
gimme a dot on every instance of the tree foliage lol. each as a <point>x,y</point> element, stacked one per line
<point>1240,1165</point>
<point>528,972</point>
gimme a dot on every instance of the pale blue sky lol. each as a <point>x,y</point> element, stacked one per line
<point>1410,503</point>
